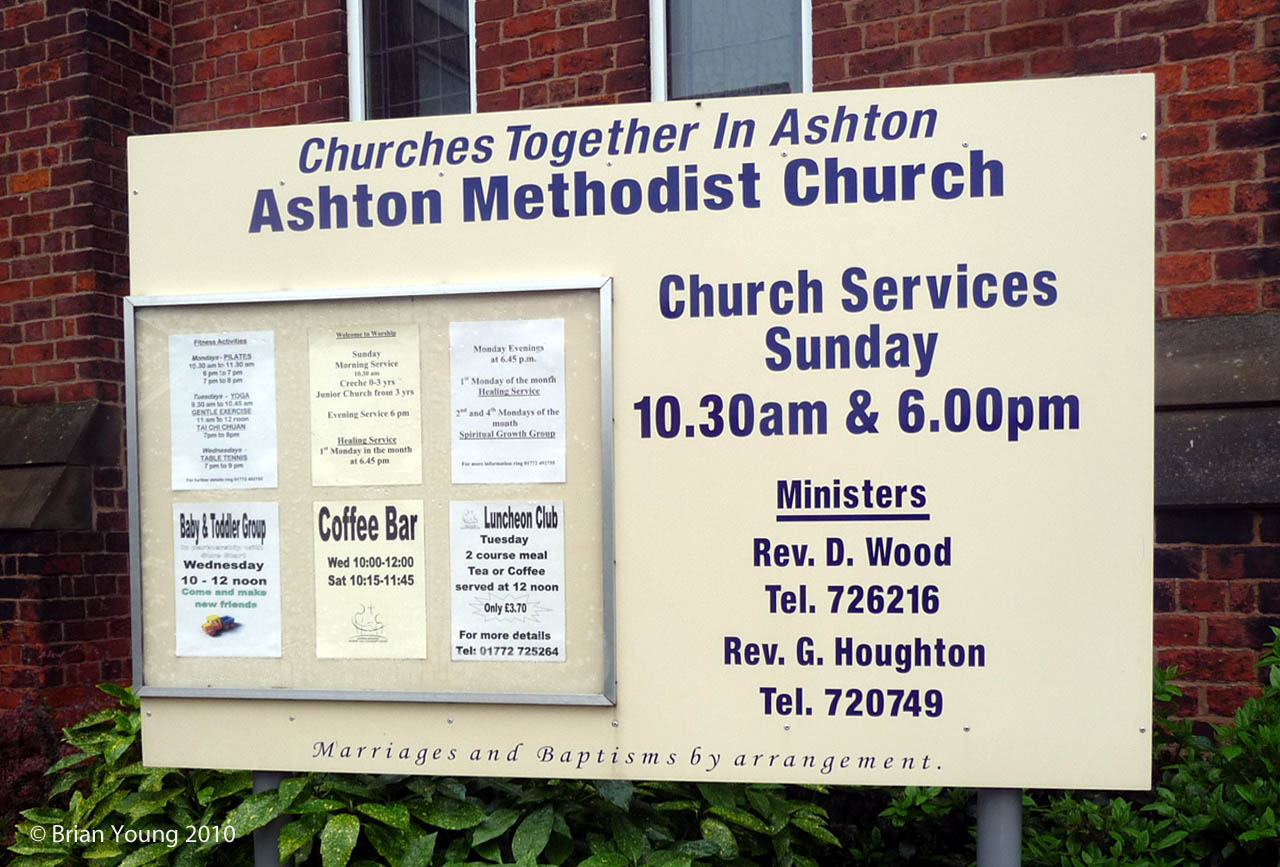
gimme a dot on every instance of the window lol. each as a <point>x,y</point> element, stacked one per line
<point>410,58</point>
<point>704,48</point>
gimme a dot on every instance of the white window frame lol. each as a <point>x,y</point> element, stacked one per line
<point>359,109</point>
<point>658,48</point>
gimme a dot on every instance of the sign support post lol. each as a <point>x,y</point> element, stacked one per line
<point>266,840</point>
<point>999,827</point>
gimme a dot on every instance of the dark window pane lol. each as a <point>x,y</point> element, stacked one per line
<point>417,57</point>
<point>733,47</point>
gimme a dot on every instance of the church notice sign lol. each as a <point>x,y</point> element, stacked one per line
<point>803,438</point>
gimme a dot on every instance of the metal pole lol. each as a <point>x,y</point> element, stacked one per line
<point>266,840</point>
<point>999,827</point>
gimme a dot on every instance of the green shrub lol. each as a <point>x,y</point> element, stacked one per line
<point>1215,802</point>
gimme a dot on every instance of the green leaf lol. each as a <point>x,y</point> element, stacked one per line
<point>299,832</point>
<point>316,805</point>
<point>741,817</point>
<point>668,858</point>
<point>605,859</point>
<point>255,811</point>
<point>628,838</point>
<point>66,761</point>
<point>25,846</point>
<point>395,815</point>
<point>718,794</point>
<point>718,834</point>
<point>145,855</point>
<point>616,792</point>
<point>122,694</point>
<point>815,828</point>
<point>45,815</point>
<point>678,805</point>
<point>141,804</point>
<point>419,851</point>
<point>190,856</point>
<point>39,861</point>
<point>338,839</point>
<point>289,790</point>
<point>387,842</point>
<point>103,850</point>
<point>532,835</point>
<point>490,851</point>
<point>452,815</point>
<point>494,825</point>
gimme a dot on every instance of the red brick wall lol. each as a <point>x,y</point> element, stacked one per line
<point>239,63</point>
<point>1217,595</point>
<point>74,82</point>
<point>1217,66</point>
<point>533,53</point>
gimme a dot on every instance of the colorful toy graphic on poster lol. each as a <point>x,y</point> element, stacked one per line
<point>226,559</point>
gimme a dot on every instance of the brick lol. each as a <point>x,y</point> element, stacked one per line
<point>1164,17</point>
<point>589,60</point>
<point>828,17</point>
<point>1214,72</point>
<point>1247,264</point>
<point>493,10</point>
<point>1042,35</point>
<point>1236,631</point>
<point>986,16</point>
<point>1228,9</point>
<point>504,100</point>
<point>1217,300</point>
<point>1091,28</point>
<point>1209,202</point>
<point>942,52</point>
<point>1204,526</point>
<point>1201,596</point>
<point>222,45</point>
<point>881,33</point>
<point>274,13</point>
<point>1226,700</point>
<point>1017,11</point>
<point>24,14</point>
<point>1212,169</point>
<point>264,36</point>
<point>556,42</point>
<point>1258,132</point>
<point>947,22</point>
<point>1126,54</point>
<point>583,12</point>
<point>1176,562</point>
<point>25,183</point>
<point>1211,234</point>
<point>1251,562</point>
<point>1221,666</point>
<point>917,78</point>
<point>613,33</point>
<point>633,78</point>
<point>1258,197</point>
<point>837,42</point>
<point>1269,597</point>
<point>883,60</point>
<point>1209,105</point>
<point>1263,67</point>
<point>1005,69</point>
<point>1206,41</point>
<point>1176,630</point>
<point>504,54</point>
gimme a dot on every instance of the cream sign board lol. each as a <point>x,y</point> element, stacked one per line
<point>826,454</point>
